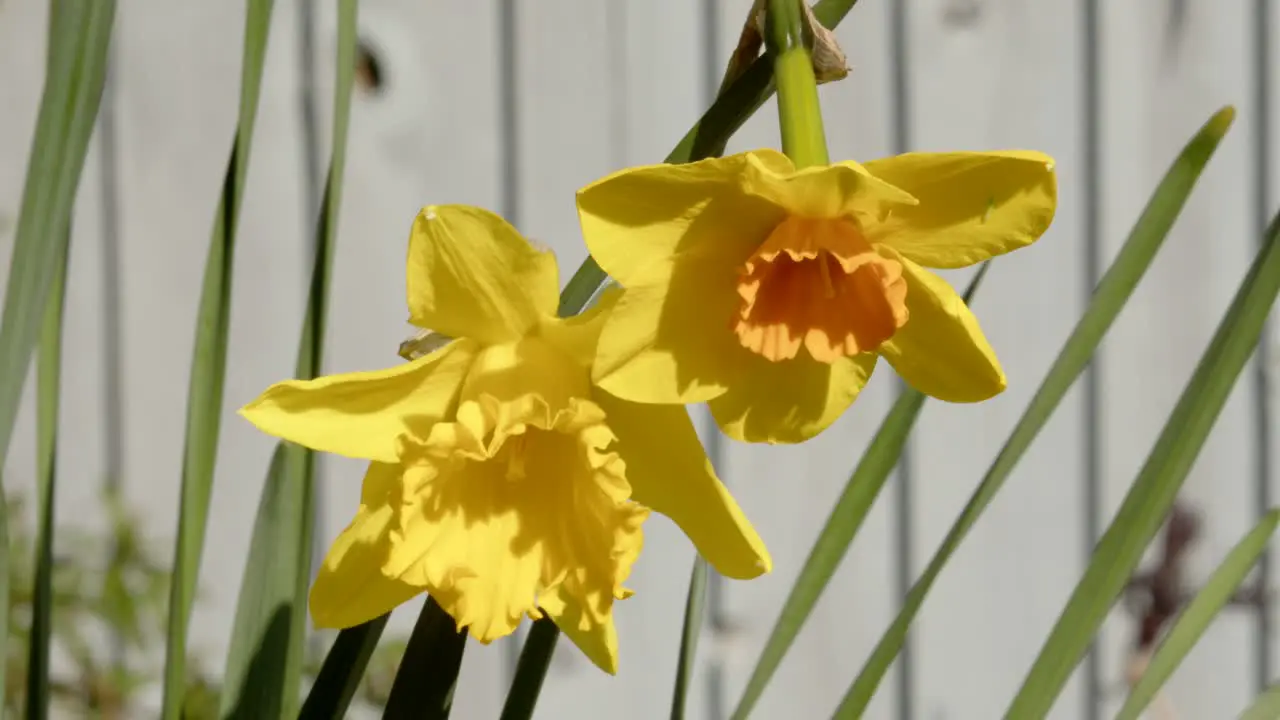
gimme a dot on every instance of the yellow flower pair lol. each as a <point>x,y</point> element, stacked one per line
<point>511,469</point>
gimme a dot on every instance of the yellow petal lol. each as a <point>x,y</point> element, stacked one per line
<point>598,640</point>
<point>670,473</point>
<point>578,335</point>
<point>511,371</point>
<point>360,414</point>
<point>828,191</point>
<point>670,336</point>
<point>792,400</point>
<point>648,215</point>
<point>973,205</point>
<point>513,501</point>
<point>941,351</point>
<point>470,274</point>
<point>350,588</point>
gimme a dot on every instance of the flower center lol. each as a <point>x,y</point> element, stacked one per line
<point>820,283</point>
<point>518,504</point>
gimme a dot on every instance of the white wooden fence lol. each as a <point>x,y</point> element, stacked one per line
<point>513,106</point>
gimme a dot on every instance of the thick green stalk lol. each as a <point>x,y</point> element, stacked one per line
<point>708,137</point>
<point>799,112</point>
<point>531,670</point>
<point>428,672</point>
<point>343,668</point>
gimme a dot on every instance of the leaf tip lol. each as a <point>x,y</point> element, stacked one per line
<point>1221,121</point>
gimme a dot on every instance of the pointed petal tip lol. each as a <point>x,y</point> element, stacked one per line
<point>764,563</point>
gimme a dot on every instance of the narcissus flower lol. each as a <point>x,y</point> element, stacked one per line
<point>501,483</point>
<point>770,292</point>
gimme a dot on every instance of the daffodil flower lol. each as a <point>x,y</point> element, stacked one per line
<point>770,292</point>
<point>501,483</point>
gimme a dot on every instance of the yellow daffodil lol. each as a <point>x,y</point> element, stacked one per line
<point>769,292</point>
<point>501,483</point>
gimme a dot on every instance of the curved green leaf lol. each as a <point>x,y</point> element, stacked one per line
<point>1109,297</point>
<point>1153,492</point>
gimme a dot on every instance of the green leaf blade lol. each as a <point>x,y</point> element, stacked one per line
<point>694,609</point>
<point>1195,618</point>
<point>531,670</point>
<point>1153,492</point>
<point>208,366</point>
<point>343,668</point>
<point>79,38</point>
<point>256,682</point>
<point>1265,707</point>
<point>1112,292</point>
<point>264,661</point>
<point>428,672</point>
<point>48,374</point>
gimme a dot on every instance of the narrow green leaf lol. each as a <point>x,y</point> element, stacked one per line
<point>1265,707</point>
<point>707,138</point>
<point>264,662</point>
<point>1194,620</point>
<point>531,670</point>
<point>837,535</point>
<point>209,365</point>
<point>75,66</point>
<point>256,672</point>
<point>48,373</point>
<point>693,613</point>
<point>428,672</point>
<point>1109,297</point>
<point>79,36</point>
<point>342,671</point>
<point>1152,493</point>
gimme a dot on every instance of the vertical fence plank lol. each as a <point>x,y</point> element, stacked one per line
<point>427,132</point>
<point>176,78</point>
<point>1166,67</point>
<point>989,76</point>
<point>787,491</point>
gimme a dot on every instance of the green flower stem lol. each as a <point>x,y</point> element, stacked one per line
<point>799,113</point>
